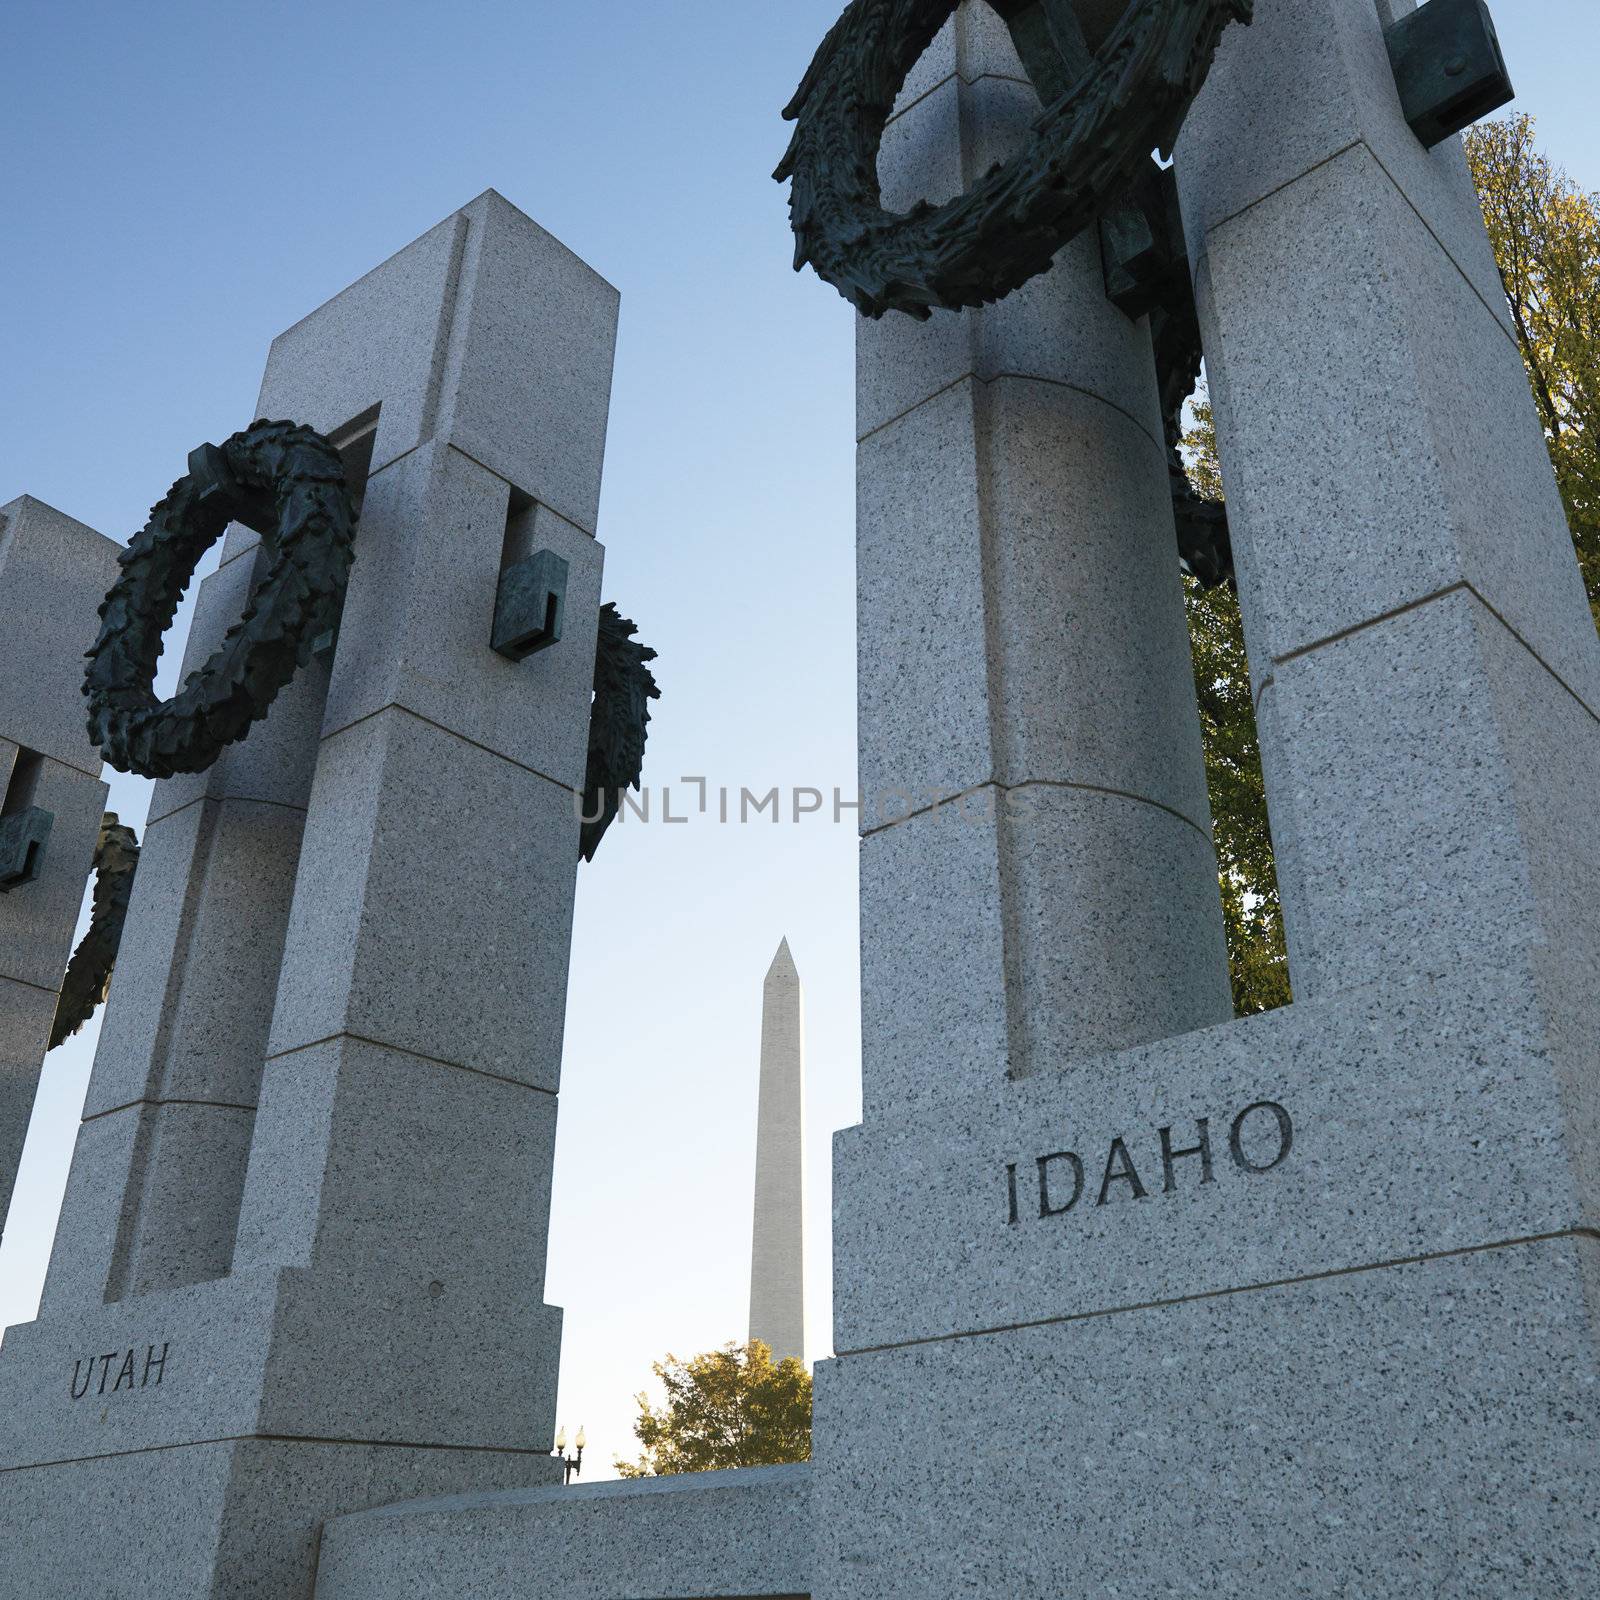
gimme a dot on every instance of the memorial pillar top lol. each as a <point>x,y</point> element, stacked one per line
<point>54,572</point>
<point>1382,448</point>
<point>481,334</point>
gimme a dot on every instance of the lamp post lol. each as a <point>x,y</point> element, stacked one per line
<point>571,1465</point>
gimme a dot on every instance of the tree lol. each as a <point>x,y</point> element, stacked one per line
<point>1546,237</point>
<point>1251,914</point>
<point>733,1407</point>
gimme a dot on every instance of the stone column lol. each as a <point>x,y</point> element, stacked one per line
<point>153,1198</point>
<point>54,572</point>
<point>381,1331</point>
<point>1038,880</point>
<point>1285,1304</point>
<point>1425,661</point>
<point>403,1148</point>
<point>778,1236</point>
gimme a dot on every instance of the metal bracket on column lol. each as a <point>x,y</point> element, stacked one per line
<point>1142,248</point>
<point>217,486</point>
<point>1448,67</point>
<point>1049,40</point>
<point>23,837</point>
<point>529,606</point>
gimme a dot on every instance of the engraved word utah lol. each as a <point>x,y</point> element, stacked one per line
<point>1062,1178</point>
<point>128,1365</point>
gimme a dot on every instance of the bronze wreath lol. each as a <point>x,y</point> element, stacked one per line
<point>289,483</point>
<point>1088,146</point>
<point>618,722</point>
<point>1089,158</point>
<point>88,979</point>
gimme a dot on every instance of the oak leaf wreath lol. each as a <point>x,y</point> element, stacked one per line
<point>1088,153</point>
<point>88,979</point>
<point>295,480</point>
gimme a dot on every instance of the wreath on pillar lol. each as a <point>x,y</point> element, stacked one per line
<point>1088,149</point>
<point>1089,157</point>
<point>88,979</point>
<point>618,724</point>
<point>288,483</point>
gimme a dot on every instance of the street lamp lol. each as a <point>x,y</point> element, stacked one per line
<point>571,1465</point>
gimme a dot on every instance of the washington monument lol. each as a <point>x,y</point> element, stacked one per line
<point>777,1255</point>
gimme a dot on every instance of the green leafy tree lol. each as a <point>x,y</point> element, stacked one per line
<point>733,1407</point>
<point>1251,913</point>
<point>1546,237</point>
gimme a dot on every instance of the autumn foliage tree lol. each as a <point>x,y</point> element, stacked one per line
<point>1252,917</point>
<point>1546,237</point>
<point>733,1407</point>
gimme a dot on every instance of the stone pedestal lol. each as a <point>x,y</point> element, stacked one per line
<point>695,1536</point>
<point>54,572</point>
<point>309,1203</point>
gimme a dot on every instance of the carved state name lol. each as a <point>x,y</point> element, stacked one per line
<point>1259,1140</point>
<point>133,1371</point>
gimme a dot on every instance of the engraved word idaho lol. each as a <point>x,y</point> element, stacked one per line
<point>1259,1140</point>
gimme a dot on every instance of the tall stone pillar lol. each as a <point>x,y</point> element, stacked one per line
<point>153,1197</point>
<point>1038,881</point>
<point>1425,661</point>
<point>1026,691</point>
<point>54,572</point>
<point>335,1300</point>
<point>1305,1303</point>
<point>778,1237</point>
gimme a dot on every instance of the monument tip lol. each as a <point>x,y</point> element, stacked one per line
<point>783,962</point>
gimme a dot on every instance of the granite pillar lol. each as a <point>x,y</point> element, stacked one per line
<point>1038,878</point>
<point>1307,1303</point>
<point>319,1217</point>
<point>54,572</point>
<point>1416,624</point>
<point>177,1074</point>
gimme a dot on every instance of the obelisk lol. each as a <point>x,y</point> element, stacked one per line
<point>778,1246</point>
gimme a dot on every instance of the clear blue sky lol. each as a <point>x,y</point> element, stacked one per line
<point>181,181</point>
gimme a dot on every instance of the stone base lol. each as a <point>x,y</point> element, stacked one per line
<point>691,1537</point>
<point>233,1519</point>
<point>1303,1305</point>
<point>1422,1429</point>
<point>278,1354</point>
<point>1427,1428</point>
<point>192,1443</point>
<point>1409,1119</point>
